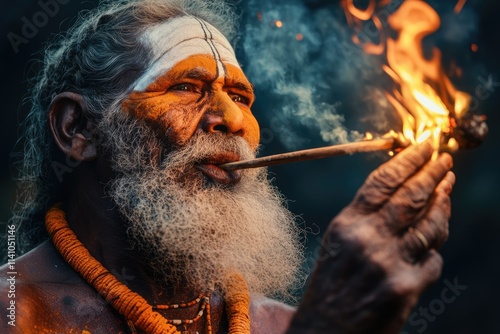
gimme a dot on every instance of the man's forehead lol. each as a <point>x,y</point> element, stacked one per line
<point>202,67</point>
<point>179,38</point>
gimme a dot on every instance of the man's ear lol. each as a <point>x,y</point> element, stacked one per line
<point>73,132</point>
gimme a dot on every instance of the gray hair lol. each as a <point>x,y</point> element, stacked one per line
<point>97,58</point>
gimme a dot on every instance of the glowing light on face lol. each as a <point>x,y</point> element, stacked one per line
<point>194,72</point>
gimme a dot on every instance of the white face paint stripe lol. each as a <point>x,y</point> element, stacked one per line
<point>178,39</point>
<point>212,47</point>
<point>221,68</point>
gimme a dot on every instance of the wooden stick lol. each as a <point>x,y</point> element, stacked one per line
<point>314,153</point>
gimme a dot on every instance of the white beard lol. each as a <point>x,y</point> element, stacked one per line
<point>195,231</point>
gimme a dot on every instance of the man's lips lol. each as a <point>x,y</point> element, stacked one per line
<point>210,167</point>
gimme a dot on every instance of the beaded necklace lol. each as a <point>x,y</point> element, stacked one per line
<point>204,305</point>
<point>134,308</point>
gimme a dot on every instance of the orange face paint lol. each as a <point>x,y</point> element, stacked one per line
<point>194,73</point>
<point>177,101</point>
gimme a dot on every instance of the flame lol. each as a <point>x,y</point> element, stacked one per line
<point>423,96</point>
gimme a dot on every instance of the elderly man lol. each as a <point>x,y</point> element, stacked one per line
<point>132,114</point>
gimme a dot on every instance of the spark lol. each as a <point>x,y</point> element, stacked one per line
<point>460,4</point>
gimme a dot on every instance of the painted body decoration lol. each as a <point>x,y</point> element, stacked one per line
<point>194,80</point>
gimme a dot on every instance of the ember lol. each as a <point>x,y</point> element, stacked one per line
<point>425,99</point>
<point>427,103</point>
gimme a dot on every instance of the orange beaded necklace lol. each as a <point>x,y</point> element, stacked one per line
<point>136,310</point>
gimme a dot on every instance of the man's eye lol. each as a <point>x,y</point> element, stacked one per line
<point>187,87</point>
<point>239,99</point>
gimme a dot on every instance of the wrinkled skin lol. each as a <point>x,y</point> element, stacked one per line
<point>50,294</point>
<point>367,279</point>
<point>367,284</point>
<point>373,267</point>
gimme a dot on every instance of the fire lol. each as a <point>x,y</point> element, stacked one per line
<point>424,97</point>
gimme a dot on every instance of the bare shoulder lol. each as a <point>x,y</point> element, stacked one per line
<point>42,263</point>
<point>41,293</point>
<point>269,316</point>
<point>29,289</point>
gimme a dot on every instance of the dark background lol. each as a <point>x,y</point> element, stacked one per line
<point>319,189</point>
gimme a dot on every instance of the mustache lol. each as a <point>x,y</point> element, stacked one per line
<point>135,147</point>
<point>169,206</point>
<point>215,147</point>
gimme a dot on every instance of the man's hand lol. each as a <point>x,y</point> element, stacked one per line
<point>385,253</point>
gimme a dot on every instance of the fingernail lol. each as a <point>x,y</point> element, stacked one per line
<point>451,178</point>
<point>448,160</point>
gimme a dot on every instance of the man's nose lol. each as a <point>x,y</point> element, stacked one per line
<point>223,116</point>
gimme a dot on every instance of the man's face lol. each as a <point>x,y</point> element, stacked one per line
<point>196,99</point>
<point>193,95</point>
<point>194,84</point>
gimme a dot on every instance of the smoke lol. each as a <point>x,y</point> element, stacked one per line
<point>315,81</point>
<point>303,62</point>
<point>459,29</point>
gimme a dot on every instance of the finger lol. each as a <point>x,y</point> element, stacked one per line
<point>413,244</point>
<point>385,180</point>
<point>433,230</point>
<point>446,185</point>
<point>434,226</point>
<point>414,196</point>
